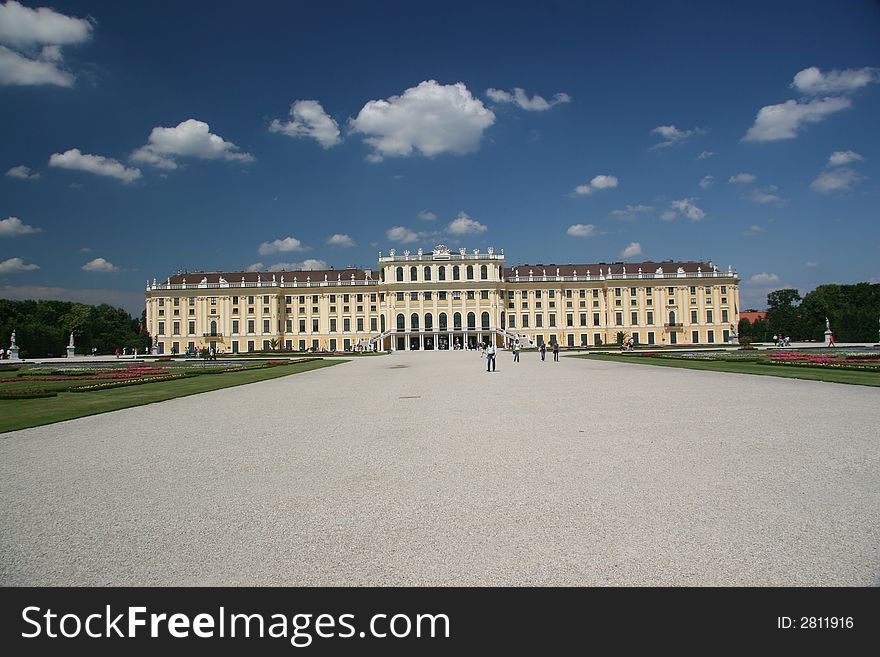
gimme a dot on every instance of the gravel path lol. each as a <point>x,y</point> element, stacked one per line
<point>422,469</point>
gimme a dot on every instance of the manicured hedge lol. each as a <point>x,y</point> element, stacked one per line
<point>27,393</point>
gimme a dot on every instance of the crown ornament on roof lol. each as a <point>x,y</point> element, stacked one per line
<point>440,249</point>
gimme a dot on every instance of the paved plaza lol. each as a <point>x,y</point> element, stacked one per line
<point>422,469</point>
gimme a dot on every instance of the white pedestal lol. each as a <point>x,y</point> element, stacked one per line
<point>827,338</point>
<point>13,353</point>
<point>70,352</point>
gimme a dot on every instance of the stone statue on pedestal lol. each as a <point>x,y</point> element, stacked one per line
<point>70,349</point>
<point>13,348</point>
<point>829,336</point>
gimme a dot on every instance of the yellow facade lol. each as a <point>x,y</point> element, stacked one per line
<point>444,300</point>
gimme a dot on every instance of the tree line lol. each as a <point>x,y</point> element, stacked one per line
<point>852,310</point>
<point>42,328</point>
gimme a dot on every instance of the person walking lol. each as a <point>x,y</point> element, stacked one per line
<point>490,357</point>
<point>543,351</point>
<point>516,351</point>
<point>556,351</point>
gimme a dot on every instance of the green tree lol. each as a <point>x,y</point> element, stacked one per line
<point>43,327</point>
<point>760,330</point>
<point>783,313</point>
<point>852,310</point>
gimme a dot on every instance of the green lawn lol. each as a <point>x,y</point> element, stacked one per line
<point>24,413</point>
<point>862,378</point>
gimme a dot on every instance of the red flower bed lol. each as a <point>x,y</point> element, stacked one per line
<point>805,358</point>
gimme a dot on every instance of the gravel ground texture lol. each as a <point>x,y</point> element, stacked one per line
<point>424,469</point>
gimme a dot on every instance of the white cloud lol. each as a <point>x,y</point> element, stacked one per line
<point>23,172</point>
<point>97,164</point>
<point>190,138</point>
<point>582,230</point>
<point>35,37</point>
<point>12,226</point>
<point>145,155</point>
<point>520,98</point>
<point>811,264</point>
<point>766,195</point>
<point>426,215</point>
<point>671,135</point>
<point>309,120</point>
<point>464,225</point>
<point>100,265</point>
<point>630,211</point>
<point>706,182</point>
<point>22,27</point>
<point>281,246</point>
<point>18,70</point>
<point>782,121</point>
<point>753,231</point>
<point>633,249</point>
<point>669,215</point>
<point>402,234</point>
<point>705,155</point>
<point>764,277</point>
<point>841,179</point>
<point>743,178</point>
<point>813,81</point>
<point>430,118</point>
<point>839,158</point>
<point>15,265</point>
<point>687,208</point>
<point>340,239</point>
<point>309,264</point>
<point>598,182</point>
<point>603,182</point>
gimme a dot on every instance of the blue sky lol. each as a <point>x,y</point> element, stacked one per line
<point>139,139</point>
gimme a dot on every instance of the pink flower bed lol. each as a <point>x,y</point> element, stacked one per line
<point>73,378</point>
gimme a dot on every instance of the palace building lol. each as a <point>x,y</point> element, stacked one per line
<point>444,299</point>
